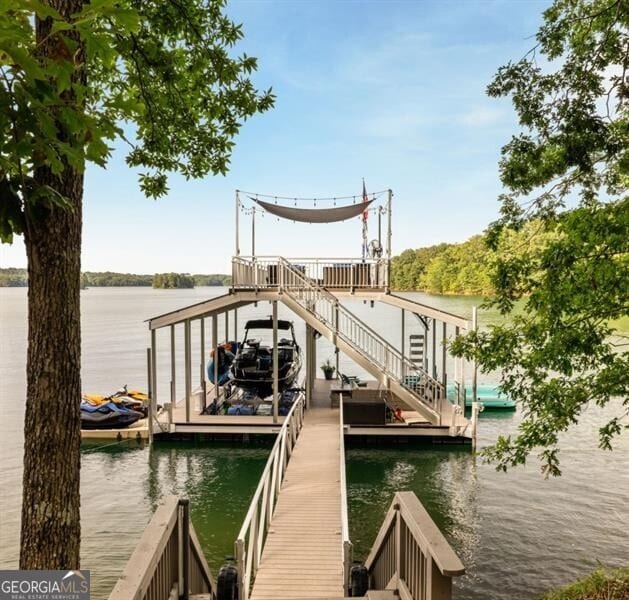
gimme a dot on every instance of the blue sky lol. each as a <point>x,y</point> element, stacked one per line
<point>392,91</point>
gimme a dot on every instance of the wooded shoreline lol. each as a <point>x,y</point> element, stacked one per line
<point>12,277</point>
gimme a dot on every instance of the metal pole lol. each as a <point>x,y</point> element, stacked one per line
<point>226,325</point>
<point>235,324</point>
<point>389,241</point>
<point>444,377</point>
<point>153,399</point>
<point>149,377</point>
<point>403,335</point>
<point>215,347</point>
<point>434,348</point>
<point>275,366</point>
<point>154,367</point>
<point>474,365</point>
<point>457,374</point>
<point>149,380</point>
<point>313,372</point>
<point>253,232</point>
<point>237,223</point>
<point>308,366</point>
<point>202,333</point>
<point>187,367</point>
<point>202,365</point>
<point>173,368</point>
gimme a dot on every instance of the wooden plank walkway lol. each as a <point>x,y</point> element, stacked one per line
<point>302,557</point>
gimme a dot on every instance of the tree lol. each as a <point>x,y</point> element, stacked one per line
<point>569,170</point>
<point>76,75</point>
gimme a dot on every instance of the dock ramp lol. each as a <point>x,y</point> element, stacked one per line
<point>294,542</point>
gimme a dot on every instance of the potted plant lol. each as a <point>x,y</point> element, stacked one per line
<point>328,369</point>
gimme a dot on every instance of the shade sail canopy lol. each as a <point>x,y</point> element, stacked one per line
<point>314,215</point>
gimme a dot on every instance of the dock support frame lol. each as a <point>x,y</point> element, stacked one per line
<point>276,391</point>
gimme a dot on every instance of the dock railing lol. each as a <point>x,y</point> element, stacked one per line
<point>252,536</point>
<point>358,334</point>
<point>168,563</point>
<point>346,544</point>
<point>411,555</point>
<point>336,273</point>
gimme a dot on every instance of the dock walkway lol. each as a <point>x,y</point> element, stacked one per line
<point>302,557</point>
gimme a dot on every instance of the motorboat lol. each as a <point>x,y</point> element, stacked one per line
<point>252,368</point>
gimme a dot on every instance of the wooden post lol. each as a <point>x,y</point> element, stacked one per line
<point>235,324</point>
<point>187,367</point>
<point>276,396</point>
<point>185,550</point>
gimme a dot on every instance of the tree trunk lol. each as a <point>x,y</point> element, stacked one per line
<point>50,531</point>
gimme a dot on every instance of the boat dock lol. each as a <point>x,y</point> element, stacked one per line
<point>294,542</point>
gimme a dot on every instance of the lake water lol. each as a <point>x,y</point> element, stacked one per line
<point>516,533</point>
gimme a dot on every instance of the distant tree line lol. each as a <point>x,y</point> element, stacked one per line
<point>461,269</point>
<point>12,277</point>
<point>172,281</point>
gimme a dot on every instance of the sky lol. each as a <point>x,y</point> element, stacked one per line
<point>386,90</point>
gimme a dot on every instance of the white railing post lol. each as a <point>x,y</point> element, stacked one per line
<point>243,584</point>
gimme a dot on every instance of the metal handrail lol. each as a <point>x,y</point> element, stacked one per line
<point>252,536</point>
<point>410,554</point>
<point>347,547</point>
<point>362,337</point>
<point>339,273</point>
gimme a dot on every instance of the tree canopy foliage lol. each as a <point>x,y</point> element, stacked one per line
<point>569,170</point>
<point>172,281</point>
<point>12,277</point>
<point>462,269</point>
<point>76,75</point>
<point>159,75</point>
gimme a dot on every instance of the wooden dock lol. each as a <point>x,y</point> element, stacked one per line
<point>138,431</point>
<point>302,557</point>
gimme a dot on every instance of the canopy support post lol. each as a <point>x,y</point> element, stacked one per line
<point>388,282</point>
<point>237,223</point>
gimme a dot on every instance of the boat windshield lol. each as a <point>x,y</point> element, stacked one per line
<point>265,336</point>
